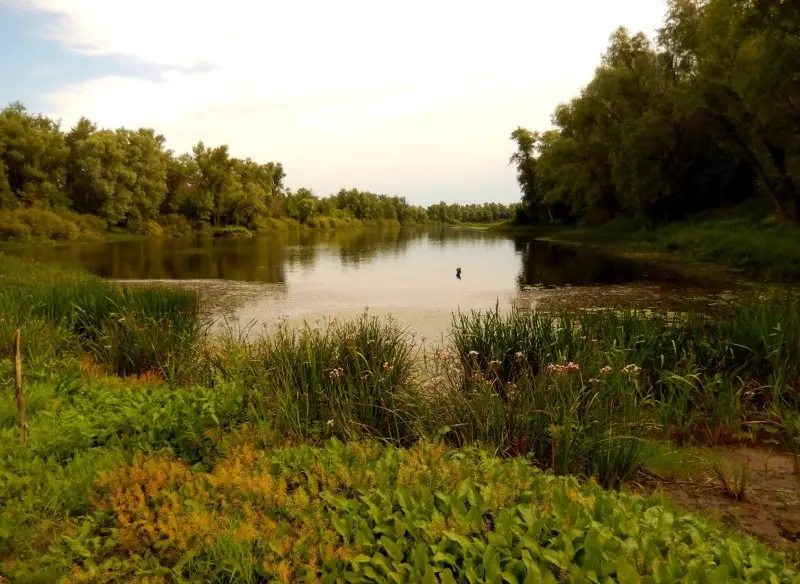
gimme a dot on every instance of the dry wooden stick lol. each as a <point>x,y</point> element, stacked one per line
<point>23,413</point>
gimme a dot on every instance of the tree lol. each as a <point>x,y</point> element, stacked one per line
<point>525,160</point>
<point>146,162</point>
<point>98,180</point>
<point>32,156</point>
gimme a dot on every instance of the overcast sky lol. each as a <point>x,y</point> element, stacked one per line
<point>411,98</point>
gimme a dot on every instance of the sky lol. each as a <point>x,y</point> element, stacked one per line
<point>415,98</point>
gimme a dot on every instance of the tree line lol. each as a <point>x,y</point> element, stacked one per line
<point>129,177</point>
<point>705,114</point>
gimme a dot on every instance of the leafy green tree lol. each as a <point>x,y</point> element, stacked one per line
<point>98,180</point>
<point>146,161</point>
<point>32,155</point>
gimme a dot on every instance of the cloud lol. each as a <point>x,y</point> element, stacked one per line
<point>415,98</point>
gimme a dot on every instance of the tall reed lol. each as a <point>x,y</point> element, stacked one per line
<point>130,330</point>
<point>343,378</point>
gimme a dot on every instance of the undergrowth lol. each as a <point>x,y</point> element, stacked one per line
<point>160,454</point>
<point>743,238</point>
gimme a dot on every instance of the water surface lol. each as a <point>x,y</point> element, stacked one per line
<point>408,273</point>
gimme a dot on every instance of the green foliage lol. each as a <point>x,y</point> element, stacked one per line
<point>742,237</point>
<point>346,378</point>
<point>131,330</point>
<point>23,224</point>
<point>128,178</point>
<point>171,473</point>
<point>702,116</point>
<point>364,513</point>
<point>581,392</point>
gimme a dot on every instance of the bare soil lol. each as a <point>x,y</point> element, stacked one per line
<point>769,508</point>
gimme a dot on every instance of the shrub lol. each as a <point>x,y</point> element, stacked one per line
<point>11,229</point>
<point>231,231</point>
<point>90,226</point>
<point>278,224</point>
<point>176,226</point>
<point>26,223</point>
<point>148,227</point>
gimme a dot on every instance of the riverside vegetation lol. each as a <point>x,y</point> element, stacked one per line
<point>159,453</point>
<point>682,140</point>
<point>82,183</point>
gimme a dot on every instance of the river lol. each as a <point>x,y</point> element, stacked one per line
<point>408,273</point>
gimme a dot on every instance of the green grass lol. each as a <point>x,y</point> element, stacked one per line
<point>745,238</point>
<point>158,453</point>
<point>62,312</point>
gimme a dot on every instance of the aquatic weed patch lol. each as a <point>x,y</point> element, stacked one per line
<point>365,513</point>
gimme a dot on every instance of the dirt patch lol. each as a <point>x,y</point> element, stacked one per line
<point>769,508</point>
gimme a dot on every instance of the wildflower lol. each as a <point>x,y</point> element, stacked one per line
<point>631,369</point>
<point>494,363</point>
<point>594,381</point>
<point>511,391</point>
<point>570,367</point>
<point>387,367</point>
<point>606,370</point>
<point>595,341</point>
<point>336,373</point>
<point>473,354</point>
<point>330,422</point>
<point>121,319</point>
<point>520,356</point>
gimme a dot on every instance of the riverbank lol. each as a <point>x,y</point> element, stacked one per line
<point>748,240</point>
<point>156,449</point>
<point>26,226</point>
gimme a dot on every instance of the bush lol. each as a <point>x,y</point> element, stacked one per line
<point>149,227</point>
<point>278,224</point>
<point>90,226</point>
<point>231,231</point>
<point>11,229</point>
<point>32,223</point>
<point>176,226</point>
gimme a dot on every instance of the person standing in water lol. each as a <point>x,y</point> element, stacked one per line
<point>458,273</point>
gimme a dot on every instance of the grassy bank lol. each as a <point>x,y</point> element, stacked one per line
<point>24,226</point>
<point>160,454</point>
<point>748,239</point>
<point>40,225</point>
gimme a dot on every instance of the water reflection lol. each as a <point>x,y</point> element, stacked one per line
<point>406,272</point>
<point>549,264</point>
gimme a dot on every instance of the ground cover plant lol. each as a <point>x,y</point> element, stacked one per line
<point>343,453</point>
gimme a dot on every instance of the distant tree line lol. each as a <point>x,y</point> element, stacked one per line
<point>704,115</point>
<point>129,178</point>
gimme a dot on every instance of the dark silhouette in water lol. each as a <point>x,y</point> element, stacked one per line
<point>458,273</point>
